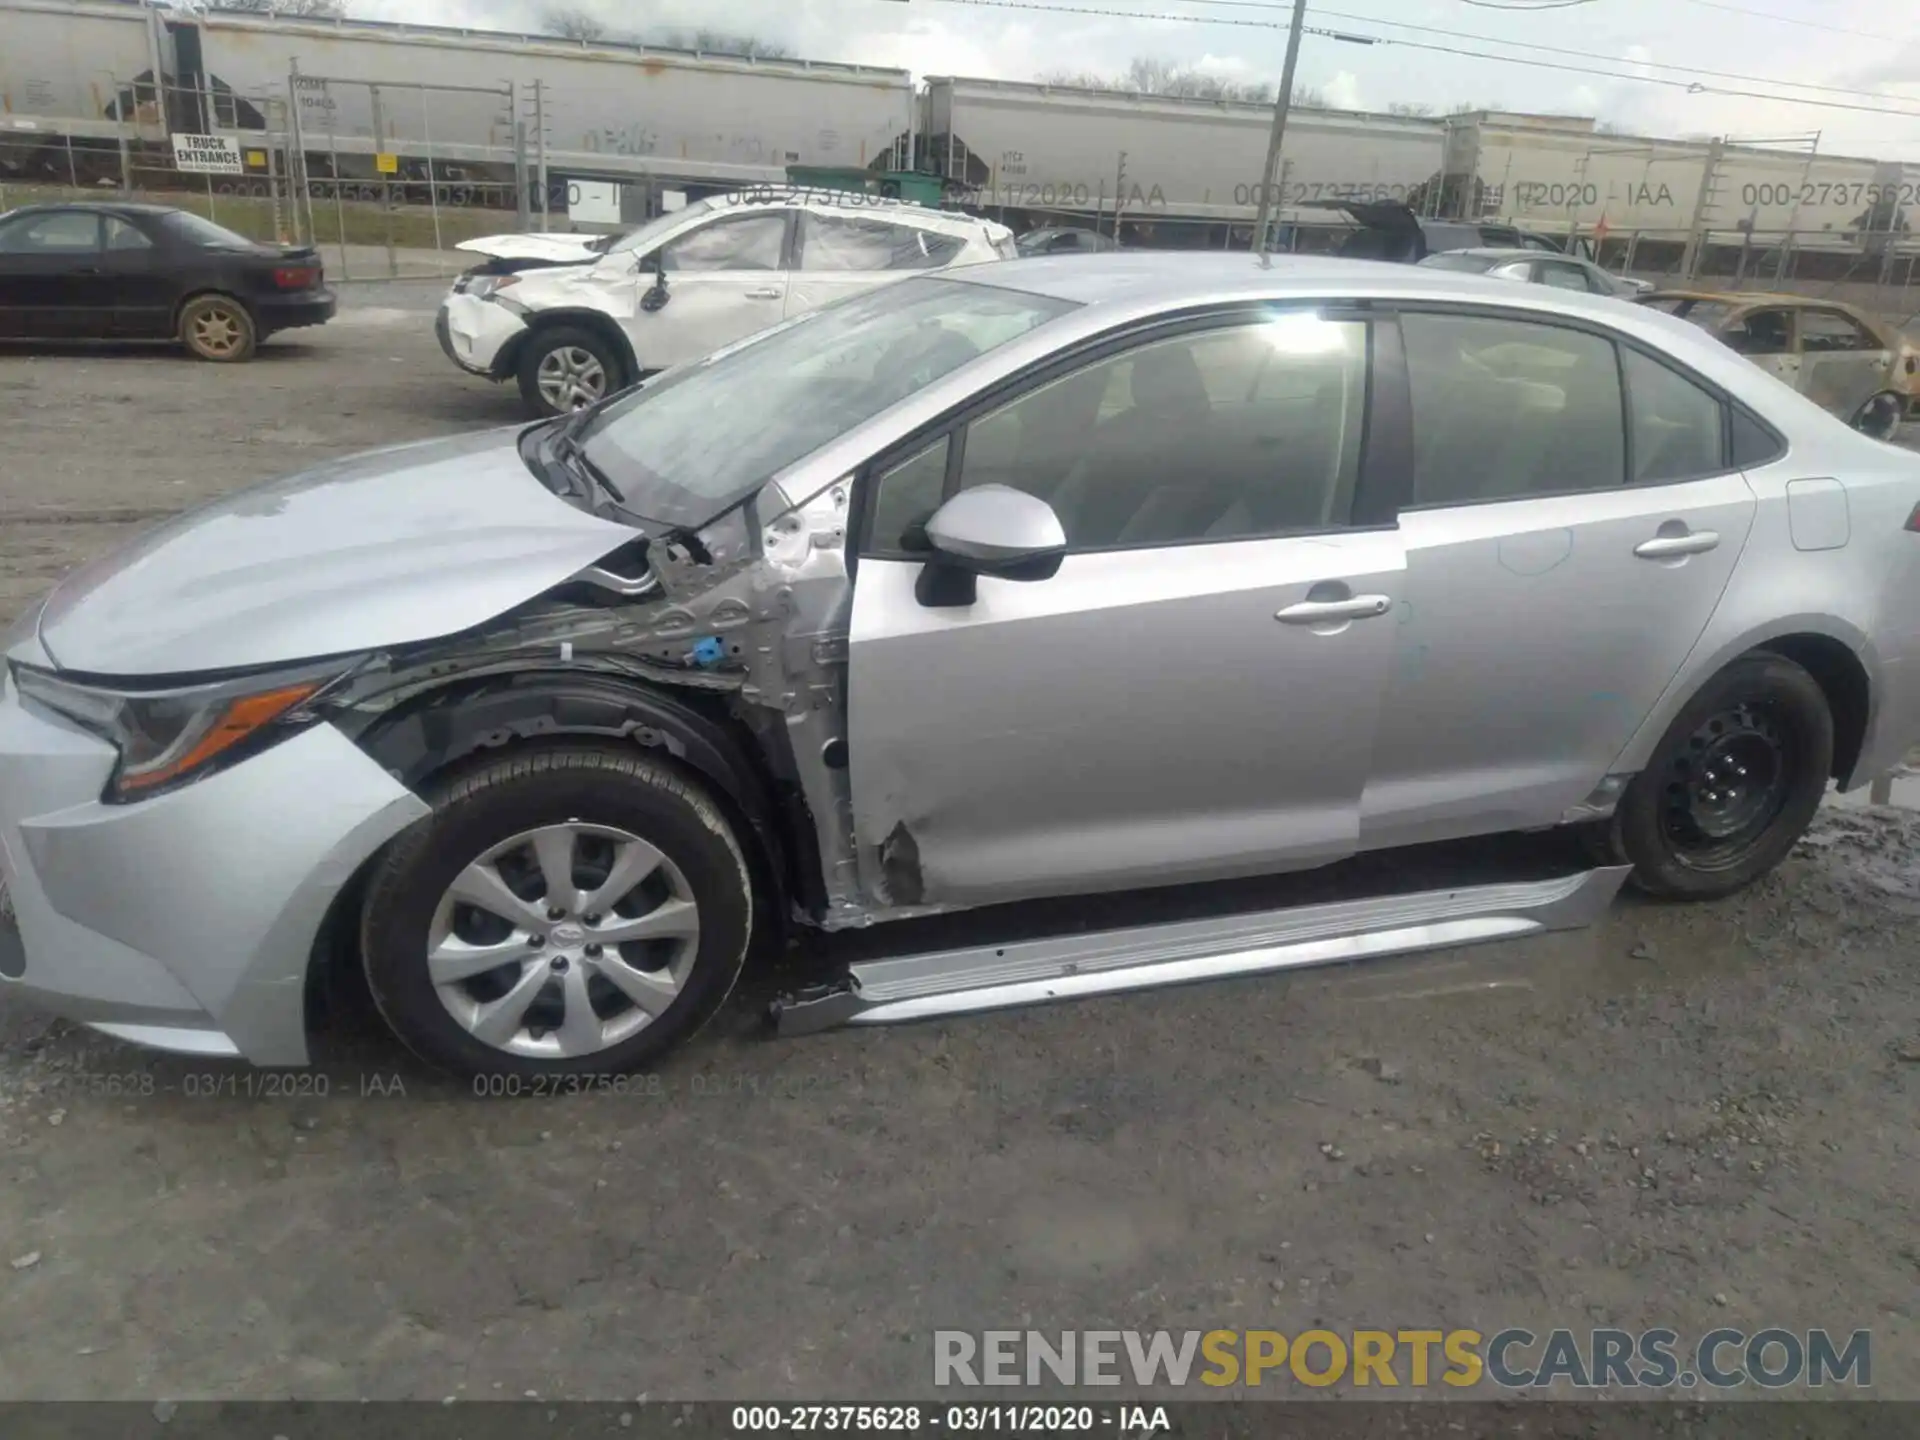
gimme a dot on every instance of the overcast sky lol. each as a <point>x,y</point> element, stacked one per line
<point>1856,46</point>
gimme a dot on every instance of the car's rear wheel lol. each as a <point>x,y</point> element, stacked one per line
<point>566,910</point>
<point>1732,786</point>
<point>1880,417</point>
<point>566,368</point>
<point>218,328</point>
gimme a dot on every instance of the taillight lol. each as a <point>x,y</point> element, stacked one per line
<point>297,277</point>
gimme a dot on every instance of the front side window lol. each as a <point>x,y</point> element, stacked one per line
<point>1232,433</point>
<point>1505,409</point>
<point>852,242</point>
<point>746,242</point>
<point>57,232</point>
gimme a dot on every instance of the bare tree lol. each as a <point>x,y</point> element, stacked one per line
<point>573,25</point>
<point>1150,75</point>
<point>1409,108</point>
<point>296,9</point>
<point>721,42</point>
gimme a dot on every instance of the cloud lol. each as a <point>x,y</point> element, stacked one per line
<point>1342,92</point>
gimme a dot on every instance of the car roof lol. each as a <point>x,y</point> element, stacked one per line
<point>857,201</point>
<point>1501,252</point>
<point>105,207</point>
<point>1745,298</point>
<point>1170,278</point>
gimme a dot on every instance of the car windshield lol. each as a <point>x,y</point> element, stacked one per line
<point>202,231</point>
<point>684,449</point>
<point>643,237</point>
<point>1454,260</point>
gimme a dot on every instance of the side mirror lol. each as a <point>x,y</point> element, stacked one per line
<point>656,295</point>
<point>991,530</point>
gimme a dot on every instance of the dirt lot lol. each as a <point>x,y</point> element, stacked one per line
<point>1686,1116</point>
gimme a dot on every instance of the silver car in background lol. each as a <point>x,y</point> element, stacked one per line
<point>1530,267</point>
<point>1043,578</point>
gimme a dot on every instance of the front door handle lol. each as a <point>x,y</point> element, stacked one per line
<point>1320,612</point>
<point>767,294</point>
<point>1666,547</point>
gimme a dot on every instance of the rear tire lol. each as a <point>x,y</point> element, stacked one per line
<point>565,368</point>
<point>1731,787</point>
<point>218,328</point>
<point>609,893</point>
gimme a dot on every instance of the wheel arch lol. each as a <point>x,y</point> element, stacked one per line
<point>202,292</point>
<point>507,362</point>
<point>1840,657</point>
<point>462,720</point>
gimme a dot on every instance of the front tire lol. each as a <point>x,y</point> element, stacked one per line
<point>565,368</point>
<point>218,328</point>
<point>1730,789</point>
<point>567,910</point>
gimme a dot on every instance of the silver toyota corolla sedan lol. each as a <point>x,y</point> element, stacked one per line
<point>1059,577</point>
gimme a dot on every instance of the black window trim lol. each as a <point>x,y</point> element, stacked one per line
<point>956,422</point>
<point>1618,339</point>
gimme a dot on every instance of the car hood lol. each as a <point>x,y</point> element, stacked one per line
<point>533,247</point>
<point>393,547</point>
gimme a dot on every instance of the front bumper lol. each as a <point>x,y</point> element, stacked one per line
<point>475,333</point>
<point>186,921</point>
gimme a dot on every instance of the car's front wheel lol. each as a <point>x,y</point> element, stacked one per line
<point>566,910</point>
<point>565,368</point>
<point>1731,788</point>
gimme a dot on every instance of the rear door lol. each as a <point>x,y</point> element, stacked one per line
<point>52,284</point>
<point>1572,519</point>
<point>723,281</point>
<point>1193,694</point>
<point>837,254</point>
<point>1842,364</point>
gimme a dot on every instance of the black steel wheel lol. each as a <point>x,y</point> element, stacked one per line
<point>1731,787</point>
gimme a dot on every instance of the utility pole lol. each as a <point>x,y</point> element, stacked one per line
<point>1280,105</point>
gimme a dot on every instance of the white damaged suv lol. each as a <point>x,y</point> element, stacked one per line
<point>688,283</point>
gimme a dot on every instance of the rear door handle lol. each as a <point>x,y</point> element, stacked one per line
<point>1319,612</point>
<point>1665,547</point>
<point>767,294</point>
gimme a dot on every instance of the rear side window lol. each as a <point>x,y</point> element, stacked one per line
<point>1676,426</point>
<point>857,242</point>
<point>1504,409</point>
<point>1825,331</point>
<point>1753,444</point>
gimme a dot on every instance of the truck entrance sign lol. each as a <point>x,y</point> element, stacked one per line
<point>207,155</point>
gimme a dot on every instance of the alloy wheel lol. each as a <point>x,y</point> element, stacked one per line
<point>571,378</point>
<point>563,941</point>
<point>1879,417</point>
<point>217,332</point>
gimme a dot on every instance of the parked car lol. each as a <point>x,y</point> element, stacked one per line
<point>1843,359</point>
<point>120,271</point>
<point>1065,240</point>
<point>689,283</point>
<point>1391,230</point>
<point>1050,578</point>
<point>1563,272</point>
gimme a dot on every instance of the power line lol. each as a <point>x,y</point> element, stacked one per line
<point>1693,87</point>
<point>1793,20</point>
<point>1563,50</point>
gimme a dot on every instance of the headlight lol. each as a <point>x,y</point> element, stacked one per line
<point>169,737</point>
<point>482,287</point>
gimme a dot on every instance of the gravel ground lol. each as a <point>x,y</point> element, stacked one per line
<point>1686,1116</point>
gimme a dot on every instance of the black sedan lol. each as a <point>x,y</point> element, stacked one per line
<point>110,271</point>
